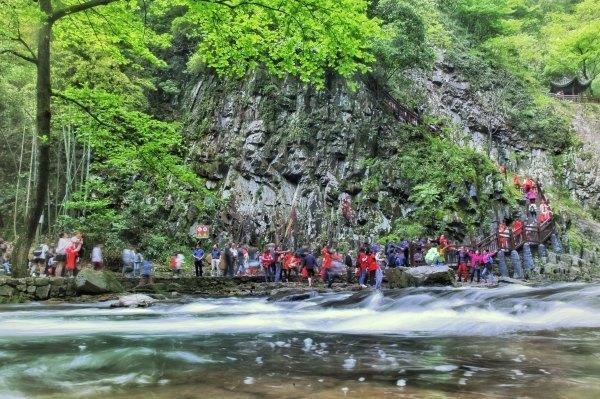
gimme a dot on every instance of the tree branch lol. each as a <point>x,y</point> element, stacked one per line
<point>81,105</point>
<point>17,54</point>
<point>63,12</point>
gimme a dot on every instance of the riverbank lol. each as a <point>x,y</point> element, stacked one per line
<point>91,286</point>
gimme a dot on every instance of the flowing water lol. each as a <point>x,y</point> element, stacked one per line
<point>508,342</point>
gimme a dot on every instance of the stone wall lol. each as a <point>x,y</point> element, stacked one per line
<point>35,288</point>
<point>584,266</point>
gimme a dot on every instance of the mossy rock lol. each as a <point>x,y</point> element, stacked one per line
<point>93,282</point>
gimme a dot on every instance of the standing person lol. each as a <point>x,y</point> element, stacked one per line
<point>146,273</point>
<point>372,266</point>
<point>463,258</point>
<point>476,261</point>
<point>533,210</point>
<point>71,256</point>
<point>241,261</point>
<point>266,260</point>
<point>310,262</point>
<point>179,259</point>
<point>278,261</point>
<point>363,264</point>
<point>61,257</point>
<point>97,260</point>
<point>40,257</point>
<point>326,266</point>
<point>349,262</point>
<point>127,257</point>
<point>198,255</point>
<point>138,262</point>
<point>77,241</point>
<point>51,262</point>
<point>229,260</point>
<point>215,257</point>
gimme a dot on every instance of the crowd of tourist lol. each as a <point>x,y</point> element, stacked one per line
<point>363,265</point>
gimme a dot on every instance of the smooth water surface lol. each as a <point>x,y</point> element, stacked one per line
<point>507,342</point>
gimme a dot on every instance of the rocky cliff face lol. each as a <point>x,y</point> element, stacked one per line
<point>285,157</point>
<point>294,164</point>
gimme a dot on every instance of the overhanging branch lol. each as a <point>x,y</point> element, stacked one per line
<point>18,54</point>
<point>83,107</point>
<point>74,9</point>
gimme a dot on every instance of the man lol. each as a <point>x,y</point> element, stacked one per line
<point>215,256</point>
<point>198,255</point>
<point>310,262</point>
<point>229,260</point>
<point>349,262</point>
<point>128,258</point>
<point>138,262</point>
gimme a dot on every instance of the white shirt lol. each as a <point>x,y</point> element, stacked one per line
<point>63,243</point>
<point>179,261</point>
<point>45,250</point>
<point>96,254</point>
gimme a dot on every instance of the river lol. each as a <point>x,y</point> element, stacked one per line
<point>507,342</point>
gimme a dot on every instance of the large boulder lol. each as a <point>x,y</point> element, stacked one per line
<point>403,277</point>
<point>93,282</point>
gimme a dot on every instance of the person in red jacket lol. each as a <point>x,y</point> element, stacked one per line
<point>372,267</point>
<point>267,261</point>
<point>71,254</point>
<point>326,267</point>
<point>363,263</point>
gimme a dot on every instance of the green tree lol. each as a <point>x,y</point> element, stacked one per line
<point>299,37</point>
<point>574,42</point>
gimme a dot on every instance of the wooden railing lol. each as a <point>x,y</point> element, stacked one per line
<point>577,98</point>
<point>401,112</point>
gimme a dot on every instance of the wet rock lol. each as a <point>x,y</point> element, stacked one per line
<point>419,276</point>
<point>93,282</point>
<point>134,301</point>
<point>509,280</point>
<point>42,292</point>
<point>287,295</point>
<point>5,290</point>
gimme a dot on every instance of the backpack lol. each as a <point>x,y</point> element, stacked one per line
<point>173,263</point>
<point>37,253</point>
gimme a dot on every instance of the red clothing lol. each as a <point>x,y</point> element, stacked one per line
<point>462,271</point>
<point>266,259</point>
<point>527,184</point>
<point>71,257</point>
<point>517,226</point>
<point>372,264</point>
<point>326,259</point>
<point>363,260</point>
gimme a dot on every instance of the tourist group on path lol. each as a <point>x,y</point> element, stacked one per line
<point>364,266</point>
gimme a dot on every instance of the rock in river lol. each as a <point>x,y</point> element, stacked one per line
<point>419,276</point>
<point>134,301</point>
<point>291,295</point>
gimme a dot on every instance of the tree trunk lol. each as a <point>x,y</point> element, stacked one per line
<point>25,240</point>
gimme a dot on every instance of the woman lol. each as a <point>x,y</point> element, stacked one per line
<point>363,259</point>
<point>61,257</point>
<point>266,261</point>
<point>476,261</point>
<point>372,267</point>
